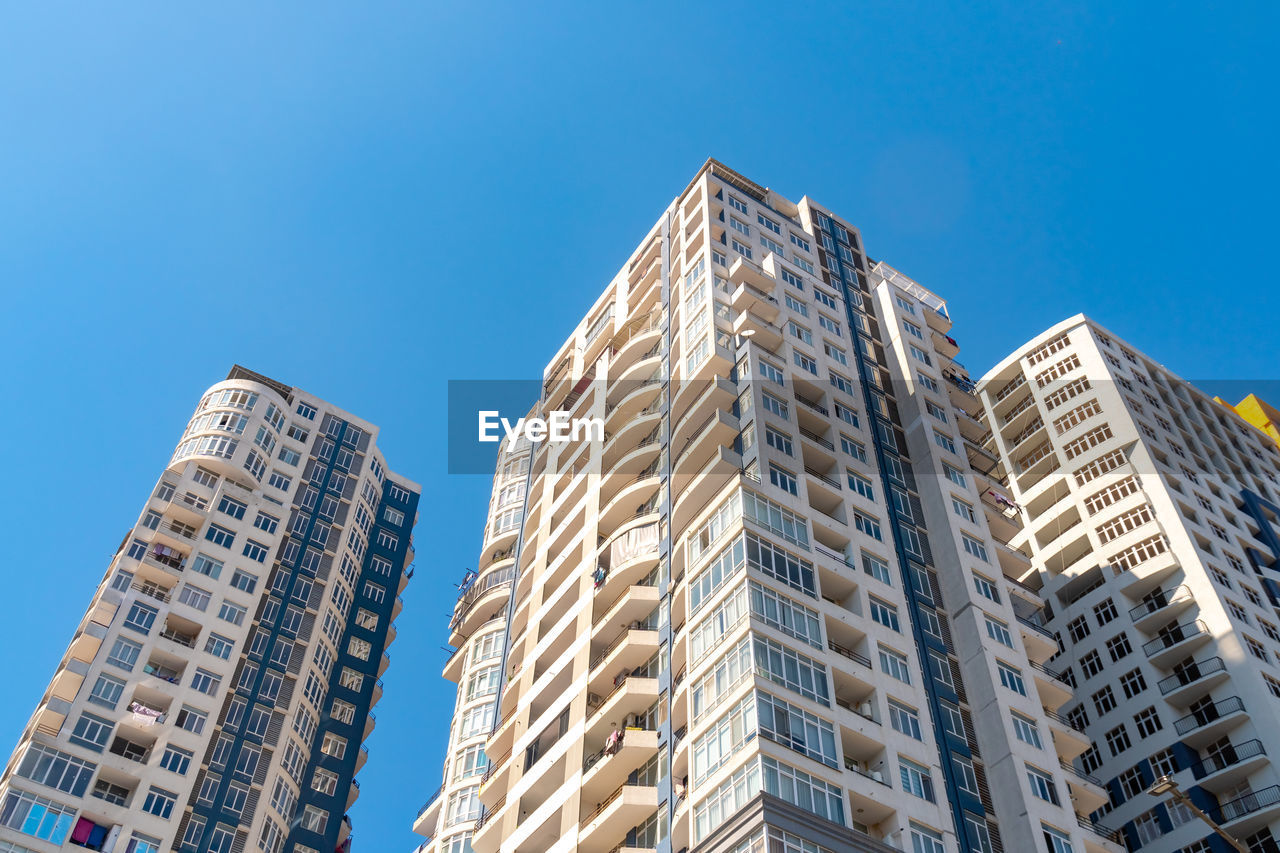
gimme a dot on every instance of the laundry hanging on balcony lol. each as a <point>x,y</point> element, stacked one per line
<point>634,543</point>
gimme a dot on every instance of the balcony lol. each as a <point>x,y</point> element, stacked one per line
<point>1244,814</point>
<point>1176,643</point>
<point>632,696</point>
<point>1194,681</point>
<point>607,770</point>
<point>748,297</point>
<point>1160,607</point>
<point>1069,740</point>
<point>1210,723</point>
<point>1227,768</point>
<point>1112,835</point>
<point>1087,792</point>
<point>1053,688</point>
<point>608,824</point>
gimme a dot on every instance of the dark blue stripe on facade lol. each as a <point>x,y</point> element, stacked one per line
<point>885,444</point>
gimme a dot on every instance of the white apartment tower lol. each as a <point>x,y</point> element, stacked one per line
<point>1150,512</point>
<point>216,693</point>
<point>775,608</point>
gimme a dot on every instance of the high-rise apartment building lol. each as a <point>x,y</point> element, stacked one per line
<point>217,691</point>
<point>775,608</point>
<point>1151,513</point>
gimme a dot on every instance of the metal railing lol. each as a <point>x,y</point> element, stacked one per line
<point>1190,675</point>
<point>430,801</point>
<point>1248,804</point>
<point>1171,638</point>
<point>1229,757</point>
<point>849,653</point>
<point>1208,714</point>
<point>1159,601</point>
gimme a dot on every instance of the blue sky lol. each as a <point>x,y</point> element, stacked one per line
<point>184,187</point>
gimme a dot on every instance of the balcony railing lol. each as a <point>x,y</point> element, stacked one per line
<point>1172,637</point>
<point>1109,834</point>
<point>804,401</point>
<point>1191,674</point>
<point>430,801</point>
<point>1207,715</point>
<point>1228,757</point>
<point>816,439</point>
<point>1056,676</point>
<point>1159,600</point>
<point>1248,804</point>
<point>1037,627</point>
<point>1056,717</point>
<point>849,653</point>
<point>1080,774</point>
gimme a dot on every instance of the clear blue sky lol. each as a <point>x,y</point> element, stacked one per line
<point>184,186</point>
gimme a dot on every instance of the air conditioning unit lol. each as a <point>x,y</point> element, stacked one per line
<point>865,709</point>
<point>877,775</point>
<point>593,700</point>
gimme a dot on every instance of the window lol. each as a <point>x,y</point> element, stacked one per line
<point>861,485</point>
<point>244,581</point>
<point>219,646</point>
<point>280,481</point>
<point>894,664</point>
<point>124,654</point>
<point>877,568</point>
<point>159,802</point>
<point>140,617</point>
<point>1055,840</point>
<point>220,536</point>
<point>37,816</point>
<point>884,613</point>
<point>48,766</point>
<point>1078,629</point>
<point>915,779</point>
<point>205,682</point>
<point>191,719</point>
<point>1104,700</point>
<point>106,691</point>
<point>954,475</point>
<point>783,479</point>
<point>778,441</point>
<point>1148,722</point>
<point>1133,683</point>
<point>974,547</point>
<point>1105,612</point>
<point>1011,678</point>
<point>856,449</point>
<point>791,670</point>
<point>798,331</point>
<point>999,632</point>
<point>963,509</point>
<point>1118,740</point>
<point>176,759</point>
<point>194,596</point>
<point>1119,647</point>
<point>255,551</point>
<point>266,523</point>
<point>986,587</point>
<point>232,613</point>
<point>1026,730</point>
<point>1042,785</point>
<point>867,525</point>
<point>905,719</point>
<point>91,731</point>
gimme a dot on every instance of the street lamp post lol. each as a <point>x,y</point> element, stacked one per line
<point>1166,786</point>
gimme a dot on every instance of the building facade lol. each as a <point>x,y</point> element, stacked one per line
<point>1150,512</point>
<point>218,689</point>
<point>777,607</point>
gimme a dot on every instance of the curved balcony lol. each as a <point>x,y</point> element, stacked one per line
<point>632,696</point>
<point>1203,727</point>
<point>642,368</point>
<point>1161,608</point>
<point>501,539</point>
<point>638,458</point>
<point>475,605</point>
<point>692,493</point>
<point>636,498</point>
<point>636,398</point>
<point>1184,687</point>
<point>637,338</point>
<point>630,434</point>
<point>628,650</point>
<point>1175,644</point>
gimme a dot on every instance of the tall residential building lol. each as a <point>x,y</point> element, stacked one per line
<point>217,691</point>
<point>1151,514</point>
<point>775,607</point>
